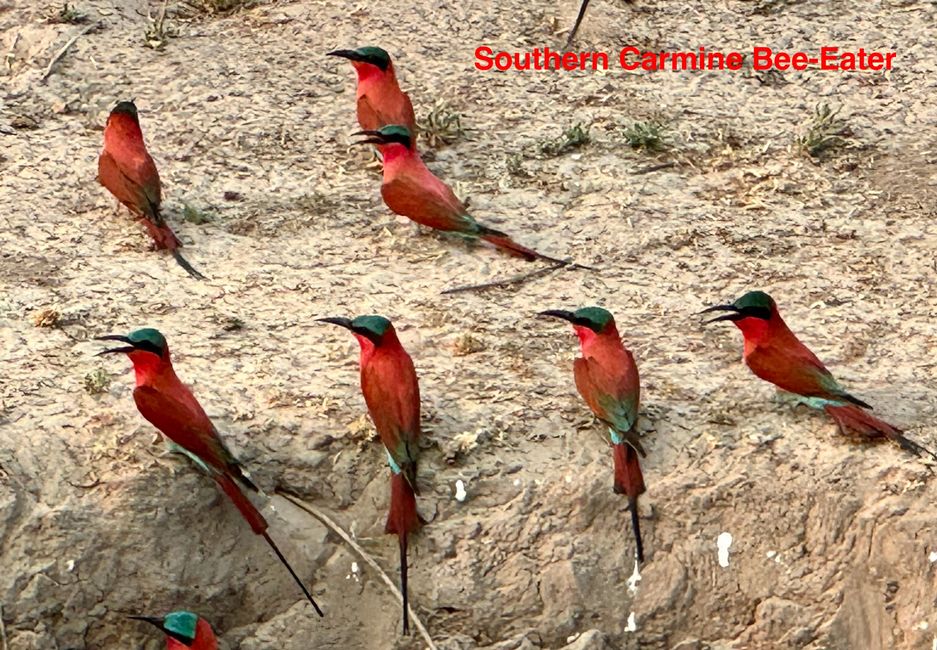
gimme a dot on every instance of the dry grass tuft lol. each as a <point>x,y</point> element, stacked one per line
<point>220,7</point>
<point>157,32</point>
<point>443,125</point>
<point>96,382</point>
<point>68,14</point>
<point>648,136</point>
<point>574,137</point>
<point>825,132</point>
<point>467,344</point>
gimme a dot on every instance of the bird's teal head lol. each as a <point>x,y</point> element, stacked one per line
<point>146,340</point>
<point>368,55</point>
<point>181,626</point>
<point>595,319</point>
<point>754,304</point>
<point>375,329</point>
<point>127,107</point>
<point>387,135</point>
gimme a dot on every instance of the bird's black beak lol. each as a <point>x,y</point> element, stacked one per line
<point>559,313</point>
<point>152,620</point>
<point>337,320</point>
<point>351,55</point>
<point>115,337</point>
<point>734,316</point>
<point>375,137</point>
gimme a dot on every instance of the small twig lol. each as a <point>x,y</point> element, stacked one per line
<point>334,527</point>
<point>653,168</point>
<point>61,53</point>
<point>514,279</point>
<point>3,630</point>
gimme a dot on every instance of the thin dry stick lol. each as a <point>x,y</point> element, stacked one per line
<point>324,518</point>
<point>653,168</point>
<point>61,53</point>
<point>515,279</point>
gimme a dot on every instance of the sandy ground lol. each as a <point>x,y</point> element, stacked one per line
<point>831,540</point>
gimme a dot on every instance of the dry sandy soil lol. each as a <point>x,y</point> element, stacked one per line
<point>831,540</point>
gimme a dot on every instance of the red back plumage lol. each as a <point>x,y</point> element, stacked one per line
<point>126,168</point>
<point>392,393</point>
<point>381,102</point>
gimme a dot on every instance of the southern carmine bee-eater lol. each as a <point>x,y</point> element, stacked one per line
<point>169,405</point>
<point>775,354</point>
<point>392,394</point>
<point>127,170</point>
<point>607,378</point>
<point>380,102</point>
<point>411,190</point>
<point>183,630</point>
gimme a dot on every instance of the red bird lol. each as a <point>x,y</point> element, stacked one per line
<point>128,172</point>
<point>775,354</point>
<point>392,394</point>
<point>607,378</point>
<point>183,630</point>
<point>169,405</point>
<point>411,190</point>
<point>380,100</point>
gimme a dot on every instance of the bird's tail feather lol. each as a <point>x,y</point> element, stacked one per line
<point>162,234</point>
<point>282,559</point>
<point>184,263</point>
<point>511,247</point>
<point>572,32</point>
<point>166,239</point>
<point>636,527</point>
<point>403,583</point>
<point>259,525</point>
<point>629,480</point>
<point>402,519</point>
<point>854,421</point>
<point>247,509</point>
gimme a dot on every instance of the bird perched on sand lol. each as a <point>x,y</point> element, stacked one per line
<point>774,353</point>
<point>183,630</point>
<point>168,404</point>
<point>127,170</point>
<point>607,378</point>
<point>380,102</point>
<point>411,190</point>
<point>392,393</point>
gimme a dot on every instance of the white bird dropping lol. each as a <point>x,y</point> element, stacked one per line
<point>723,542</point>
<point>632,624</point>
<point>634,579</point>
<point>460,492</point>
